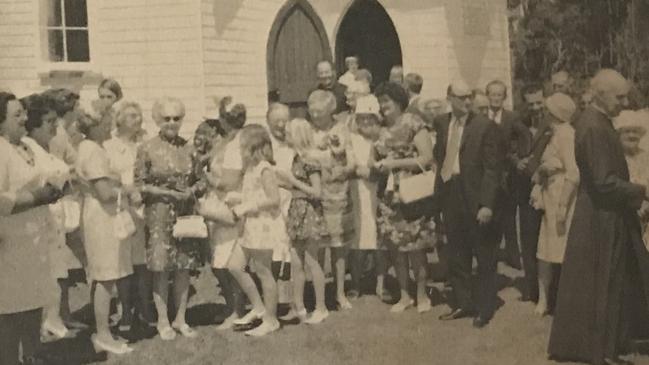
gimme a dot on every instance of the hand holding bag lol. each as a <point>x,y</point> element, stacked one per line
<point>417,187</point>
<point>71,214</point>
<point>123,222</point>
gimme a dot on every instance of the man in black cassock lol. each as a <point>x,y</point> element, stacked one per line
<point>604,243</point>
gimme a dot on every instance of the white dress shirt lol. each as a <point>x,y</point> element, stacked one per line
<point>496,116</point>
<point>462,123</point>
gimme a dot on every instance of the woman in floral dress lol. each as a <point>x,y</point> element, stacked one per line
<point>334,153</point>
<point>403,147</point>
<point>163,170</point>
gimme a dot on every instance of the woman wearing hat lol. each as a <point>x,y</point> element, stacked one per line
<point>556,182</point>
<point>632,127</point>
<point>364,193</point>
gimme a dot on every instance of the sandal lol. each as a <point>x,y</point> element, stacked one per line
<point>166,333</point>
<point>185,330</point>
<point>116,348</point>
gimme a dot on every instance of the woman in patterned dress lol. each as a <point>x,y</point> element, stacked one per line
<point>164,173</point>
<point>335,156</point>
<point>404,146</point>
<point>305,222</point>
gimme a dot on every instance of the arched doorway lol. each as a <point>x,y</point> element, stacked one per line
<point>296,43</point>
<point>367,31</point>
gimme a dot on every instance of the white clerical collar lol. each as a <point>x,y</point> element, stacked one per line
<point>600,109</point>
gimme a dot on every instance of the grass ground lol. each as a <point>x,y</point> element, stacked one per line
<point>366,334</point>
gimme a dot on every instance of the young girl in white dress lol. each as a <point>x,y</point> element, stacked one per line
<point>264,230</point>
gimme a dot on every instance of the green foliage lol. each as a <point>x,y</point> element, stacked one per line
<point>579,36</point>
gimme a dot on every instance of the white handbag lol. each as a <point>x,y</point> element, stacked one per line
<point>417,187</point>
<point>190,226</point>
<point>71,214</point>
<point>123,223</point>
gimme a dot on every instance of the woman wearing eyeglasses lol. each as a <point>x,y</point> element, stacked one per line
<point>163,171</point>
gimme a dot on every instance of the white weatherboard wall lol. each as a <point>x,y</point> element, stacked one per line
<point>153,48</point>
<point>201,49</point>
<point>18,33</point>
<point>433,43</point>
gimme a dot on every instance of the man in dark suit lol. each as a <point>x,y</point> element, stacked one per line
<point>469,152</point>
<point>513,134</point>
<point>530,150</point>
<point>327,81</point>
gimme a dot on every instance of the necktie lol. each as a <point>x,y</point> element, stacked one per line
<point>452,150</point>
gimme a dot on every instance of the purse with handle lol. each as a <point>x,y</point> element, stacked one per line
<point>417,187</point>
<point>190,226</point>
<point>123,223</point>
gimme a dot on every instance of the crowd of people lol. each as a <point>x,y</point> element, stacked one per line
<point>377,175</point>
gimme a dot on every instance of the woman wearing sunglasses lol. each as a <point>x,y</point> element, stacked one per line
<point>163,171</point>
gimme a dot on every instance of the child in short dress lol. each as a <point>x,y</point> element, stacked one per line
<point>264,229</point>
<point>364,195</point>
<point>305,222</point>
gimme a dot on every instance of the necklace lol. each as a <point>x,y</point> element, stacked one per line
<point>26,153</point>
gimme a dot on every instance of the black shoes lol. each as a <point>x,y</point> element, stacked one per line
<point>480,322</point>
<point>456,314</point>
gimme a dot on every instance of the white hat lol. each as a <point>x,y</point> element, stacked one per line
<point>631,119</point>
<point>368,104</point>
<point>561,106</point>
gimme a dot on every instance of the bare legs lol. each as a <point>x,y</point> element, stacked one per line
<point>306,259</point>
<point>545,281</point>
<point>339,258</point>
<point>266,309</point>
<point>102,298</point>
<point>161,296</point>
<point>417,261</point>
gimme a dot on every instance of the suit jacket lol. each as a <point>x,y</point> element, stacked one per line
<point>515,140</point>
<point>338,90</point>
<point>533,151</point>
<point>481,160</point>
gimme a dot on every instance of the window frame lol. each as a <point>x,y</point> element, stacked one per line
<point>44,65</point>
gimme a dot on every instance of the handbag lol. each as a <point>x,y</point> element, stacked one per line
<point>123,223</point>
<point>190,226</point>
<point>71,214</point>
<point>214,209</point>
<point>417,187</point>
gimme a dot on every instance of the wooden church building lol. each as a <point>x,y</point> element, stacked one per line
<point>201,49</point>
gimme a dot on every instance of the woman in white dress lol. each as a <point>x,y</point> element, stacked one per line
<point>109,258</point>
<point>556,181</point>
<point>41,128</point>
<point>122,151</point>
<point>25,278</point>
<point>365,194</point>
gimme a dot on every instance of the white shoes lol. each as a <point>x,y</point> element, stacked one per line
<point>293,314</point>
<point>184,330</point>
<point>424,306</point>
<point>249,318</point>
<point>114,347</point>
<point>57,329</point>
<point>402,306</point>
<point>317,317</point>
<point>263,329</point>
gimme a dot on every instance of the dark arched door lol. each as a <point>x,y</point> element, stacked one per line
<point>297,42</point>
<point>367,31</point>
